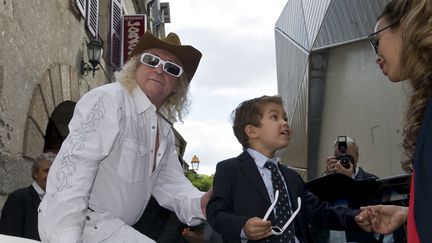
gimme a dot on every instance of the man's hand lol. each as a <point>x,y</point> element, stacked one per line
<point>205,199</point>
<point>256,229</point>
<point>196,236</point>
<point>331,162</point>
<point>333,165</point>
<point>382,219</point>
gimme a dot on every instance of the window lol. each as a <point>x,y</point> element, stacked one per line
<point>82,7</point>
<point>92,16</point>
<point>116,34</point>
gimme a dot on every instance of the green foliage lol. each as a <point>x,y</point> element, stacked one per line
<point>202,182</point>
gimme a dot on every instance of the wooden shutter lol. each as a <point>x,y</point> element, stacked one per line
<point>116,34</point>
<point>82,6</point>
<point>92,16</point>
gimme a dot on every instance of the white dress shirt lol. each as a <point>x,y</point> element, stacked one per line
<point>105,164</point>
<point>38,189</point>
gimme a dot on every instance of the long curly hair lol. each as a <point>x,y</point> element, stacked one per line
<point>414,17</point>
<point>175,107</point>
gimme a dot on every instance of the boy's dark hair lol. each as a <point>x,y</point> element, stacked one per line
<point>249,112</point>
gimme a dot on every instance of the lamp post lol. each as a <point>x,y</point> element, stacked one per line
<point>195,163</point>
<point>94,53</point>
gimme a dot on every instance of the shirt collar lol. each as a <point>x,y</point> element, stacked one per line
<point>260,159</point>
<point>142,102</point>
<point>356,171</point>
<point>38,189</point>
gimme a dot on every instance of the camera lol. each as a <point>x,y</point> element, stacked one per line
<point>344,158</point>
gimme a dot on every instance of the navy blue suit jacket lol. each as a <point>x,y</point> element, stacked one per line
<point>239,193</point>
<point>19,214</point>
<point>422,177</point>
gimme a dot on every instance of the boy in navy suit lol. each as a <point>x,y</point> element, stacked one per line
<point>244,188</point>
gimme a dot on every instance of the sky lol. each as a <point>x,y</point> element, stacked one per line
<point>237,41</point>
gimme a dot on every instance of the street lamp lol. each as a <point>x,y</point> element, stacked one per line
<point>94,53</point>
<point>195,163</point>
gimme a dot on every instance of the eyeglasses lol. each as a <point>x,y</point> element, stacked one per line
<point>275,229</point>
<point>171,68</point>
<point>373,39</point>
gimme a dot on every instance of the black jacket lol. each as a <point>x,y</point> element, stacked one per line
<point>19,214</point>
<point>239,193</point>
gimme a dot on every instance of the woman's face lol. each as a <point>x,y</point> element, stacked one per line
<point>389,50</point>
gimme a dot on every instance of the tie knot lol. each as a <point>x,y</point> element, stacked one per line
<point>270,165</point>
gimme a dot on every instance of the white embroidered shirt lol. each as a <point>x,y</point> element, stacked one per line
<point>105,164</point>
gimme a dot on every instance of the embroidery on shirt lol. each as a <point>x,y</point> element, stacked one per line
<point>77,141</point>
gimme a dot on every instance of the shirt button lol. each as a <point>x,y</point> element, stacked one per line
<point>151,151</point>
<point>159,154</point>
<point>153,127</point>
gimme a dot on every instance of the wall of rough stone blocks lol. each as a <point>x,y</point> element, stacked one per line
<point>42,44</point>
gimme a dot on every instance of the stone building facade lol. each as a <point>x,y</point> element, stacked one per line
<point>42,45</point>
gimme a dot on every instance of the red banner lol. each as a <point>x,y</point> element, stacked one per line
<point>134,26</point>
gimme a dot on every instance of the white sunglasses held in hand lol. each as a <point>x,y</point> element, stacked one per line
<point>151,60</point>
<point>275,229</point>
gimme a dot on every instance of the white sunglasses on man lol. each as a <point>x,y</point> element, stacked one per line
<point>275,229</point>
<point>171,68</point>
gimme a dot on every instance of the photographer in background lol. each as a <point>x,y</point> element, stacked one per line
<point>345,159</point>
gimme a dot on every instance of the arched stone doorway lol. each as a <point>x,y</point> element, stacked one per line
<point>51,108</point>
<point>57,128</point>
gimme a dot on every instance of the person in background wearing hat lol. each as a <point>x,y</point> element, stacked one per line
<point>121,150</point>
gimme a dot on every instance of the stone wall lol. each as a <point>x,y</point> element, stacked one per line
<point>42,44</point>
<point>14,174</point>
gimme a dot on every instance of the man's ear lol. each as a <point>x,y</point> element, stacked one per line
<point>250,131</point>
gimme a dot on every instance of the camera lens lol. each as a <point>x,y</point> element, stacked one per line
<point>345,162</point>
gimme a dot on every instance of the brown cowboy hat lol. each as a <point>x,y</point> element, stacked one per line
<point>188,55</point>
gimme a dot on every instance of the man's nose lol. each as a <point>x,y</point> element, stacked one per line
<point>159,68</point>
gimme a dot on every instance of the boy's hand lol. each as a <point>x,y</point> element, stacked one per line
<point>383,219</point>
<point>256,229</point>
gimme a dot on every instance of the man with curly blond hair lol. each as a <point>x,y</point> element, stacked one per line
<point>121,151</point>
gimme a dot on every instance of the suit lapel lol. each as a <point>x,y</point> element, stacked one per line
<point>251,172</point>
<point>35,197</point>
